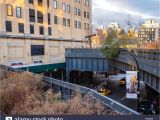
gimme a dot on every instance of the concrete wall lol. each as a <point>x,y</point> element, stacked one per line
<point>15,46</point>
<point>19,50</point>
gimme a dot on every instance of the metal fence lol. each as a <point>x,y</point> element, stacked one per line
<point>94,94</point>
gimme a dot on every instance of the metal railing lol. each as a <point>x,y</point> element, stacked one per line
<point>94,94</point>
<point>149,54</point>
<point>103,99</point>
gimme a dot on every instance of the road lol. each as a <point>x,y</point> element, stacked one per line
<point>119,94</point>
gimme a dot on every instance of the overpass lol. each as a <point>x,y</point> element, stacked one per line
<point>94,60</point>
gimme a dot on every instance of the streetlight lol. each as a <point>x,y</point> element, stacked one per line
<point>137,66</point>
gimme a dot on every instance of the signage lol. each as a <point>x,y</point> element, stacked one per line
<point>131,84</point>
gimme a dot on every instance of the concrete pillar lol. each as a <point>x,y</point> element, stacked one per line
<point>66,93</point>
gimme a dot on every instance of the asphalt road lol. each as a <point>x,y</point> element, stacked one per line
<point>119,94</point>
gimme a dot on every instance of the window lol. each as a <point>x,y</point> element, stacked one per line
<point>31,29</point>
<point>8,26</point>
<point>18,12</point>
<point>79,12</point>
<point>84,1</point>
<point>38,62</point>
<point>79,25</point>
<point>9,10</point>
<point>75,24</point>
<point>68,22</point>
<point>49,19</point>
<point>75,11</point>
<point>85,26</point>
<point>55,4</point>
<point>40,2</point>
<point>55,20</point>
<point>85,14</point>
<point>64,21</point>
<point>64,7</point>
<point>77,1</point>
<point>49,31</point>
<point>30,1</point>
<point>47,3</point>
<point>21,27</point>
<point>68,8</point>
<point>31,15</point>
<point>18,63</point>
<point>41,30</point>
<point>37,50</point>
<point>40,17</point>
<point>87,2</point>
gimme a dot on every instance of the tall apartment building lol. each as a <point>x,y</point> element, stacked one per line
<point>149,31</point>
<point>34,32</point>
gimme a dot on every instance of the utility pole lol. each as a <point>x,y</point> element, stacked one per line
<point>89,39</point>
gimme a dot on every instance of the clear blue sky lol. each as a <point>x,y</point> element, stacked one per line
<point>119,10</point>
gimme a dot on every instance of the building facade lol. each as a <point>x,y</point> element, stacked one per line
<point>34,32</point>
<point>114,26</point>
<point>149,31</point>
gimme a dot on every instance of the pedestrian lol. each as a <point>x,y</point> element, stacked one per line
<point>152,109</point>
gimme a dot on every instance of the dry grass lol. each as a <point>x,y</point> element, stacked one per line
<point>15,87</point>
<point>23,94</point>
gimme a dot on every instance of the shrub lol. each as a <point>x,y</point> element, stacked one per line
<point>14,89</point>
<point>23,94</point>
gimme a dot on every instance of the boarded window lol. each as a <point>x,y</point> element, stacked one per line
<point>37,50</point>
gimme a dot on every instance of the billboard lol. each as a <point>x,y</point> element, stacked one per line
<point>131,84</point>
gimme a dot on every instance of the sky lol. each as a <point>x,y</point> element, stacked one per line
<point>120,11</point>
